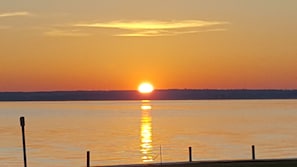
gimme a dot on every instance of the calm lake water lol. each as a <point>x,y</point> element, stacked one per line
<point>58,134</point>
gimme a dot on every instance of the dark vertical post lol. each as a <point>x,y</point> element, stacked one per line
<point>88,158</point>
<point>161,155</point>
<point>253,152</point>
<point>190,154</point>
<point>22,122</point>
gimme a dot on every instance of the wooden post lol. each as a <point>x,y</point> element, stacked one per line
<point>190,154</point>
<point>88,158</point>
<point>253,152</point>
<point>161,155</point>
<point>22,122</point>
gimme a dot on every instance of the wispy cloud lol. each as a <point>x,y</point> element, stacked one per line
<point>155,28</point>
<point>65,33</point>
<point>12,14</point>
<point>4,27</point>
<point>156,33</point>
<point>146,25</point>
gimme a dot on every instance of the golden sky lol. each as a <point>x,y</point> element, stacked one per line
<point>116,44</point>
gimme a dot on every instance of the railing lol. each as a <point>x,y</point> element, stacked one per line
<point>190,155</point>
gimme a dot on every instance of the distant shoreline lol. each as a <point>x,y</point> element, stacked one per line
<point>171,94</point>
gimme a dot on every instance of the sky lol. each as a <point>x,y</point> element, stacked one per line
<point>49,45</point>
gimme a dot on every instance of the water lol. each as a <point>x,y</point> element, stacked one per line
<point>58,134</point>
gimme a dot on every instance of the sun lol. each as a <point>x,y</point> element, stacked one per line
<point>145,87</point>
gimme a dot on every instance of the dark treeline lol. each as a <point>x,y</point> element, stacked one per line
<point>179,94</point>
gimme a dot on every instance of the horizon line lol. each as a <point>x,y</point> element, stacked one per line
<point>171,89</point>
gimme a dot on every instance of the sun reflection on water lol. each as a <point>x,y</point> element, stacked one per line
<point>146,132</point>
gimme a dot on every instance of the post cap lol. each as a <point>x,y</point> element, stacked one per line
<point>22,121</point>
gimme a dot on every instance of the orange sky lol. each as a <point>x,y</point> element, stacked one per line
<point>112,44</point>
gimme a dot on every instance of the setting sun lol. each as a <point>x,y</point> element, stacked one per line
<point>145,87</point>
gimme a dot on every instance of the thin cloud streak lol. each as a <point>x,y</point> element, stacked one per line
<point>156,33</point>
<point>153,25</point>
<point>4,27</point>
<point>156,28</point>
<point>13,14</point>
<point>65,33</point>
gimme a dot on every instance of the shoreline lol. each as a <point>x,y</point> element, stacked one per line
<point>171,94</point>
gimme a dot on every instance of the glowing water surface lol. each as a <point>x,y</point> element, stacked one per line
<point>58,134</point>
